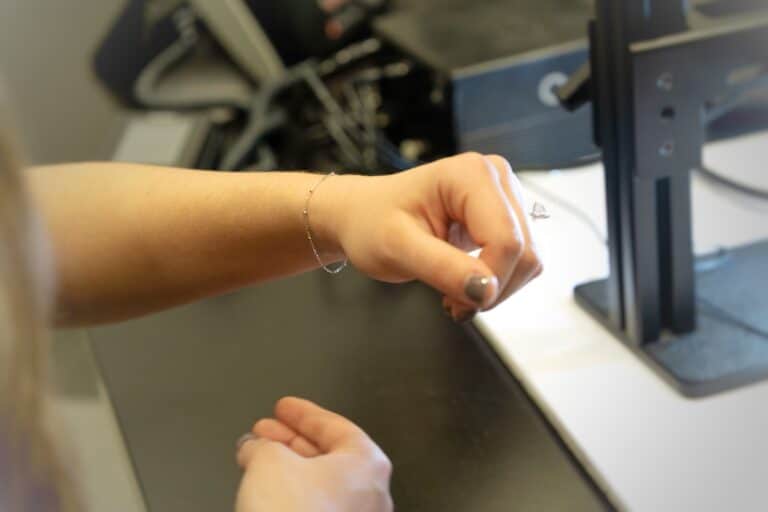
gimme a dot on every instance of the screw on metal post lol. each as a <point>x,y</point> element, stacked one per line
<point>665,82</point>
<point>667,149</point>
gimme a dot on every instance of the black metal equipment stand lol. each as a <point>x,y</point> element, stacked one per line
<point>652,78</point>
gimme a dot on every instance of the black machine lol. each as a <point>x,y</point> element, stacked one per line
<point>437,80</point>
<point>492,67</point>
<point>653,81</point>
<point>489,71</point>
<point>253,76</point>
<point>438,77</point>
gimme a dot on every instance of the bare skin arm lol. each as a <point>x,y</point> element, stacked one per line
<point>131,239</point>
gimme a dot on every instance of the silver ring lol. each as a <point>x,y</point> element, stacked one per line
<point>539,211</point>
<point>244,439</point>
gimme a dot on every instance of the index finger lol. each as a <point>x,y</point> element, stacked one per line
<point>477,199</point>
<point>325,429</point>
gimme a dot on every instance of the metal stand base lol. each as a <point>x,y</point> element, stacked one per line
<point>729,348</point>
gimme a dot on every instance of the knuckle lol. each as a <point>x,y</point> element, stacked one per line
<point>382,466</point>
<point>512,247</point>
<point>475,162</point>
<point>354,432</point>
<point>502,164</point>
<point>472,156</point>
<point>530,260</point>
<point>538,265</point>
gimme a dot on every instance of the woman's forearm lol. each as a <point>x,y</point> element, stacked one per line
<point>131,239</point>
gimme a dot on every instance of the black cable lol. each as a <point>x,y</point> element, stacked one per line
<point>704,262</point>
<point>338,125</point>
<point>336,119</point>
<point>721,180</point>
<point>363,115</point>
<point>262,119</point>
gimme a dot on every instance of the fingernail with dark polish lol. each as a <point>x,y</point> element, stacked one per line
<point>446,309</point>
<point>464,317</point>
<point>476,287</point>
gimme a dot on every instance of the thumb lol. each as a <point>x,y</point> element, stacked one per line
<point>452,271</point>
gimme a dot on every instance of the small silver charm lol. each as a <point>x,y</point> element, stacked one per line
<point>539,211</point>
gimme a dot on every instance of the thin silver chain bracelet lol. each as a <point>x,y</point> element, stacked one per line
<point>331,270</point>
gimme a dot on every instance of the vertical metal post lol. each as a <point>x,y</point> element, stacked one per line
<point>668,138</point>
<point>652,81</point>
<point>679,297</point>
<point>607,48</point>
<point>646,286</point>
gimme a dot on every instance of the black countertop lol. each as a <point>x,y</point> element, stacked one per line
<point>461,433</point>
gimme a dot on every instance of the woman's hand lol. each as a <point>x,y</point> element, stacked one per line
<point>310,459</point>
<point>421,223</point>
<point>172,223</point>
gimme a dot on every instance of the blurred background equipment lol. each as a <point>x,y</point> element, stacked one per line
<point>657,77</point>
<point>488,73</point>
<point>368,85</point>
<point>158,46</point>
<point>264,62</point>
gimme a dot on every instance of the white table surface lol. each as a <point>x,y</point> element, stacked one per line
<point>648,447</point>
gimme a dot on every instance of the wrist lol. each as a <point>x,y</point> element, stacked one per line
<point>326,214</point>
